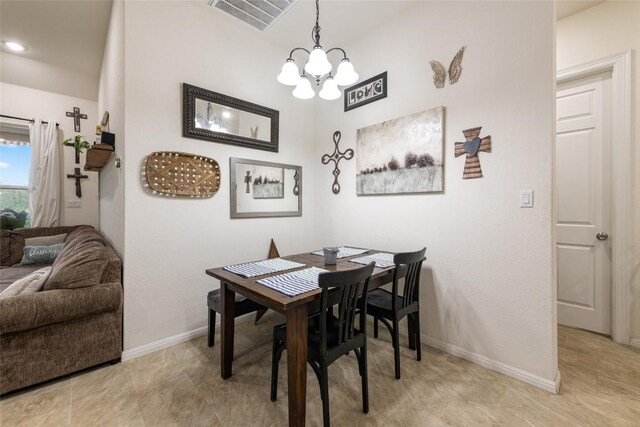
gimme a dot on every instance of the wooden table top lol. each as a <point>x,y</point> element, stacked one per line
<point>278,301</point>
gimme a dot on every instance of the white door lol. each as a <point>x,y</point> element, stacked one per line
<point>582,202</point>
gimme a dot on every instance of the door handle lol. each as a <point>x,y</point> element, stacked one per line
<point>602,236</point>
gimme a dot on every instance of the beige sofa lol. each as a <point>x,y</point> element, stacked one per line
<point>75,322</point>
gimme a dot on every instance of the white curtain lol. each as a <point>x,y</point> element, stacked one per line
<point>44,175</point>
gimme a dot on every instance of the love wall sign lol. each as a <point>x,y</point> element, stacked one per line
<point>366,92</point>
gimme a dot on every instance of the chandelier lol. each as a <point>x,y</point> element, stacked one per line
<point>317,68</point>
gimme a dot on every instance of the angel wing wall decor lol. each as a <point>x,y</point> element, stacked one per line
<point>455,70</point>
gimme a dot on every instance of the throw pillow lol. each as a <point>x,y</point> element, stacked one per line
<point>80,265</point>
<point>28,284</point>
<point>45,240</point>
<point>41,254</point>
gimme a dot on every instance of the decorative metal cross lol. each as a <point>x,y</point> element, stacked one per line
<point>335,158</point>
<point>76,118</point>
<point>296,187</point>
<point>78,176</point>
<point>471,147</point>
<point>247,180</point>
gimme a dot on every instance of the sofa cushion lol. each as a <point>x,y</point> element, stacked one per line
<point>80,264</point>
<point>11,248</point>
<point>41,254</point>
<point>45,240</point>
<point>12,242</point>
<point>28,284</point>
<point>8,275</point>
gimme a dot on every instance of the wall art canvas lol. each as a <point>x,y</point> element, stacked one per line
<point>365,92</point>
<point>403,155</point>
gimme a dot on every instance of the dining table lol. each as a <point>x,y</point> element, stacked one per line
<point>296,310</point>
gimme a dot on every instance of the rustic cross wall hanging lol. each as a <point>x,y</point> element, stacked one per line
<point>472,145</point>
<point>335,158</point>
<point>70,144</point>
<point>78,176</point>
<point>76,118</point>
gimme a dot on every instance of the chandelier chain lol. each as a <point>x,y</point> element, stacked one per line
<point>315,32</point>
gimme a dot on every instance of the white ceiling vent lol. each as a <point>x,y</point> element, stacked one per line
<point>260,14</point>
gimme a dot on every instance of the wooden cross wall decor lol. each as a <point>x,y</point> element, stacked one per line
<point>78,176</point>
<point>471,147</point>
<point>76,118</point>
<point>247,180</point>
<point>69,144</point>
<point>335,158</point>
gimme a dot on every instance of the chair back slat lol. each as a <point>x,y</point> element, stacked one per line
<point>351,284</point>
<point>413,262</point>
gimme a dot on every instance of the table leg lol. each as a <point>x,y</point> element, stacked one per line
<point>227,329</point>
<point>297,365</point>
<point>412,332</point>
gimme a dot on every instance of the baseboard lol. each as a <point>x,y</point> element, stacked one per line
<point>552,386</point>
<point>635,342</point>
<point>175,339</point>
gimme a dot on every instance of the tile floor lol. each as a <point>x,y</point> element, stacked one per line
<point>181,386</point>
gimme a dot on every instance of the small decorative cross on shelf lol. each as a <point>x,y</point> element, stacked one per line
<point>335,158</point>
<point>471,147</point>
<point>78,176</point>
<point>247,180</point>
<point>76,118</point>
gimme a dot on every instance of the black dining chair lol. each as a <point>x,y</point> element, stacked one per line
<point>242,306</point>
<point>331,337</point>
<point>392,307</point>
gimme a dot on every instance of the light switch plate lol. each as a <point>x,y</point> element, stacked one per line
<point>74,204</point>
<point>526,198</point>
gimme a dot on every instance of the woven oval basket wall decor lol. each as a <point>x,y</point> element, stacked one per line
<point>173,173</point>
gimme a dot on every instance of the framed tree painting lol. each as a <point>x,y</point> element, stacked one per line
<point>403,155</point>
<point>264,189</point>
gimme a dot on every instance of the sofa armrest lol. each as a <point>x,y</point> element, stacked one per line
<point>31,311</point>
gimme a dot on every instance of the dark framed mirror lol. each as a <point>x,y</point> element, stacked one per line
<point>215,117</point>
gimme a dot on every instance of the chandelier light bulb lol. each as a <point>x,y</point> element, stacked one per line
<point>330,90</point>
<point>346,75</point>
<point>290,75</point>
<point>318,64</point>
<point>303,90</point>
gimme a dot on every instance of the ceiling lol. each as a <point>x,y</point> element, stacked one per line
<point>566,8</point>
<point>71,34</point>
<point>341,21</point>
<point>68,34</point>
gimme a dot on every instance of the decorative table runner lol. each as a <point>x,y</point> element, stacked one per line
<point>382,259</point>
<point>294,283</point>
<point>344,251</point>
<point>252,269</point>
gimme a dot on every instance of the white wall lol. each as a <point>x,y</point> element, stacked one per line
<point>169,242</point>
<point>28,103</point>
<point>609,29</point>
<point>488,286</point>
<point>26,72</point>
<point>111,98</point>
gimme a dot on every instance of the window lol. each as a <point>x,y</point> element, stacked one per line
<point>15,160</point>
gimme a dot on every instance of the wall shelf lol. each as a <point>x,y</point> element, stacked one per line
<point>98,156</point>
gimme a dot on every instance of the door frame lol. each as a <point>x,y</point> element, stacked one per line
<point>621,196</point>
